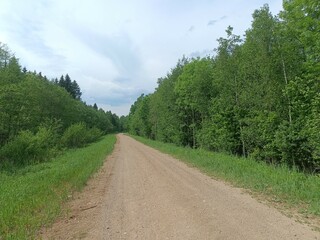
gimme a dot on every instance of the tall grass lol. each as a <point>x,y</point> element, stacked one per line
<point>284,185</point>
<point>32,196</point>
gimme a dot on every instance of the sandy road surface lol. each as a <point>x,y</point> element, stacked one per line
<point>141,193</point>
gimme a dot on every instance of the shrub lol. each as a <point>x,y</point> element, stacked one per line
<point>17,150</point>
<point>78,135</point>
<point>27,148</point>
<point>74,136</point>
<point>93,134</point>
<point>44,144</point>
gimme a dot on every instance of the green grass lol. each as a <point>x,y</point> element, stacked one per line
<point>280,184</point>
<point>32,197</point>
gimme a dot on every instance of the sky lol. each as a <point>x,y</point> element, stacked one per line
<point>117,49</point>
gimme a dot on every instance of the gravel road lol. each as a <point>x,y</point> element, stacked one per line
<point>141,193</point>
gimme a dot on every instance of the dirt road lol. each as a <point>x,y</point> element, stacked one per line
<point>141,193</point>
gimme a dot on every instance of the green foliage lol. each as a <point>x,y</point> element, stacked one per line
<point>139,112</point>
<point>5,56</point>
<point>93,134</point>
<point>74,136</point>
<point>28,148</point>
<point>123,123</point>
<point>166,124</point>
<point>19,149</point>
<point>32,197</point>
<point>258,133</point>
<point>71,87</point>
<point>35,113</point>
<point>257,97</point>
<point>216,134</point>
<point>193,90</point>
<point>26,105</point>
<point>78,135</point>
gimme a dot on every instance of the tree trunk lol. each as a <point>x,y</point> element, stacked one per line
<point>193,130</point>
<point>286,81</point>
<point>242,142</point>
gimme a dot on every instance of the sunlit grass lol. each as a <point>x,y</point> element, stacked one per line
<point>284,185</point>
<point>32,197</point>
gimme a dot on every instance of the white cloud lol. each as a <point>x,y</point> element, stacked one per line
<point>121,110</point>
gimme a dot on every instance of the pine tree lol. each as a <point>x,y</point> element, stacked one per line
<point>75,90</point>
<point>68,84</point>
<point>62,82</point>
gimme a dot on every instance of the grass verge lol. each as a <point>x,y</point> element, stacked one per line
<point>279,184</point>
<point>32,197</point>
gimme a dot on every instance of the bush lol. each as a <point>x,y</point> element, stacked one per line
<point>17,150</point>
<point>78,135</point>
<point>93,134</point>
<point>294,146</point>
<point>44,144</point>
<point>27,148</point>
<point>74,136</point>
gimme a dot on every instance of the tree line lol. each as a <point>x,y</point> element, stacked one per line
<point>38,117</point>
<point>258,96</point>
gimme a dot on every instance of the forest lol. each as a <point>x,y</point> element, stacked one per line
<point>258,96</point>
<point>39,118</point>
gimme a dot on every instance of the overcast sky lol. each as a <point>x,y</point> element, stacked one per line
<point>117,49</point>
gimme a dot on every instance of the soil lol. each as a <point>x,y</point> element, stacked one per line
<point>140,193</point>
